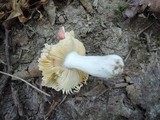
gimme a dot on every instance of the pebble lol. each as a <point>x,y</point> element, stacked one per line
<point>61,19</point>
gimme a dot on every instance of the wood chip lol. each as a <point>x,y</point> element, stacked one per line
<point>87,5</point>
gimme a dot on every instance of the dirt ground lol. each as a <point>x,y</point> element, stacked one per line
<point>135,95</point>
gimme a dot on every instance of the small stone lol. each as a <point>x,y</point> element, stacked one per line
<point>33,69</point>
<point>34,72</point>
<point>128,79</point>
<point>79,98</point>
<point>61,19</point>
<point>130,88</point>
<point>121,80</point>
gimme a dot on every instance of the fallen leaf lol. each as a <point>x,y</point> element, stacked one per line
<point>23,19</point>
<point>40,15</point>
<point>142,6</point>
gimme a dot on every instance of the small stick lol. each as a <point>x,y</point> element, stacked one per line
<point>7,50</point>
<point>18,78</point>
<point>8,67</point>
<point>102,93</point>
<point>52,107</point>
<point>1,61</point>
<point>128,55</point>
<point>144,30</point>
<point>64,98</point>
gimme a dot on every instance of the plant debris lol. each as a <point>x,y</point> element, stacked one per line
<point>8,67</point>
<point>147,7</point>
<point>133,96</point>
<point>21,9</point>
<point>87,5</point>
<point>18,78</point>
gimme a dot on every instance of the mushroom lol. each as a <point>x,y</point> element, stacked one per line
<point>65,67</point>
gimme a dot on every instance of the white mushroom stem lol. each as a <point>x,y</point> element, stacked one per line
<point>99,66</point>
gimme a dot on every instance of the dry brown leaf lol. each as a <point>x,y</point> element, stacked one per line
<point>43,1</point>
<point>23,19</point>
<point>24,3</point>
<point>154,6</point>
<point>4,5</point>
<point>21,9</point>
<point>142,6</point>
<point>40,15</point>
<point>16,11</point>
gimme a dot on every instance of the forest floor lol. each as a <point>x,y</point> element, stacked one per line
<point>135,95</point>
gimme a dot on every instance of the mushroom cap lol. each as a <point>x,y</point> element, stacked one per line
<point>55,75</point>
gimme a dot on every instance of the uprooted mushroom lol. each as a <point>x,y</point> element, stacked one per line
<point>143,6</point>
<point>65,67</point>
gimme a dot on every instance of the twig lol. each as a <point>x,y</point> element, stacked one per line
<point>8,67</point>
<point>20,55</point>
<point>128,54</point>
<point>18,78</point>
<point>144,30</point>
<point>52,107</point>
<point>64,98</point>
<point>1,61</point>
<point>102,93</point>
<point>7,49</point>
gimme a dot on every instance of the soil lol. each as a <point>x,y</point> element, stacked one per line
<point>135,95</point>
